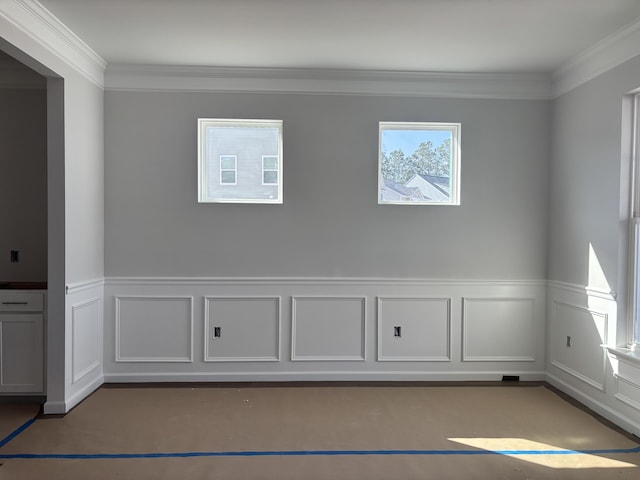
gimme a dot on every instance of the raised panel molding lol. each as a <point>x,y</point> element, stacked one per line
<point>325,329</point>
<point>498,329</point>
<point>627,378</point>
<point>259,336</point>
<point>156,333</point>
<point>328,328</point>
<point>425,329</point>
<point>628,392</point>
<point>571,349</point>
<point>86,352</point>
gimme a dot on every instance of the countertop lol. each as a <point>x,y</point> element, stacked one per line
<point>23,285</point>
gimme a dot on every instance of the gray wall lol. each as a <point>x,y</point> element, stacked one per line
<point>590,180</point>
<point>330,223</point>
<point>23,184</point>
<point>84,179</point>
<point>588,243</point>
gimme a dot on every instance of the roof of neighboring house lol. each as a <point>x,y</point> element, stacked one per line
<point>401,189</point>
<point>441,183</point>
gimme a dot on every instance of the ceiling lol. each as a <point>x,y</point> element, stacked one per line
<point>464,36</point>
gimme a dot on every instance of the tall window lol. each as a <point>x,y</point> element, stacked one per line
<point>419,163</point>
<point>634,327</point>
<point>239,161</point>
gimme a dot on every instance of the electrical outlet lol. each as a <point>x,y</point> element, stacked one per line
<point>397,332</point>
<point>15,256</point>
<point>568,341</point>
<point>217,333</point>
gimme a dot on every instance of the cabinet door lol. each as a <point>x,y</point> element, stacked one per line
<point>21,353</point>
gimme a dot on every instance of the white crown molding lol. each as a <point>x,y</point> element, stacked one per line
<point>45,29</point>
<point>533,86</point>
<point>597,59</point>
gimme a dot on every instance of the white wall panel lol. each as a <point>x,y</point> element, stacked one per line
<point>628,392</point>
<point>604,379</point>
<point>154,329</point>
<point>328,328</point>
<point>628,383</point>
<point>249,329</point>
<point>86,349</point>
<point>577,337</point>
<point>498,329</point>
<point>325,330</point>
<point>424,329</point>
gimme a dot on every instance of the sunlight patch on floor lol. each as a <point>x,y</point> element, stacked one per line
<point>518,448</point>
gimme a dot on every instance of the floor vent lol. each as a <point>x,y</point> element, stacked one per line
<point>511,378</point>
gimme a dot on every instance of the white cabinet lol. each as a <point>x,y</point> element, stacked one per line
<point>21,342</point>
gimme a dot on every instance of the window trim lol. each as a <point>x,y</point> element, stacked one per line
<point>277,182</point>
<point>454,175</point>
<point>234,170</point>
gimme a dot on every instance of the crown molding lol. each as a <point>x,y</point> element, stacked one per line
<point>597,59</point>
<point>122,77</point>
<point>45,29</point>
<point>42,26</point>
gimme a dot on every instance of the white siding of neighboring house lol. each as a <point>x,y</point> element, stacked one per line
<point>430,191</point>
<point>248,145</point>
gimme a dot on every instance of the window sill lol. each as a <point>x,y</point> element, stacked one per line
<point>626,353</point>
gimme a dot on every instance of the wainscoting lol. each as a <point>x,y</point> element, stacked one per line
<point>581,324</point>
<point>331,329</point>
<point>83,337</point>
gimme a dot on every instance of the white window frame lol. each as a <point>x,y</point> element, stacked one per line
<point>234,170</point>
<point>454,174</point>
<point>633,333</point>
<point>203,178</point>
<point>270,170</point>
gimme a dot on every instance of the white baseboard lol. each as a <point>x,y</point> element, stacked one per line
<point>54,408</point>
<point>369,376</point>
<point>83,393</point>
<point>600,408</point>
<point>57,408</point>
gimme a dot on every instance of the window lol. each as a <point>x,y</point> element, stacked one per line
<point>228,166</point>
<point>239,161</point>
<point>634,324</point>
<point>269,170</point>
<point>419,163</point>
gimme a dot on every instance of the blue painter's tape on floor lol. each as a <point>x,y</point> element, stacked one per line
<point>291,453</point>
<point>17,432</point>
